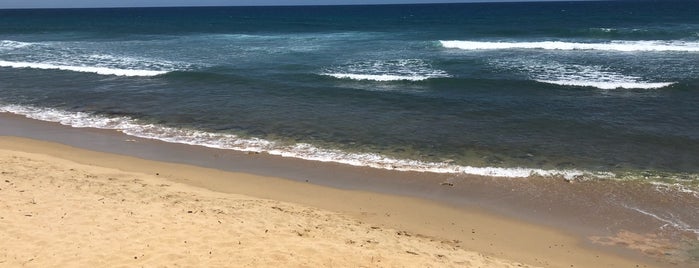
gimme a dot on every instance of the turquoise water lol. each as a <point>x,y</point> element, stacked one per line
<point>572,89</point>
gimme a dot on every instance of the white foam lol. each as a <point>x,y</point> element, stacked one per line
<point>84,69</point>
<point>84,57</point>
<point>553,72</point>
<point>9,44</point>
<point>672,221</point>
<point>607,85</point>
<point>606,30</point>
<point>623,46</point>
<point>310,152</point>
<point>674,187</point>
<point>377,77</point>
<point>386,70</point>
<point>301,150</point>
<point>135,128</point>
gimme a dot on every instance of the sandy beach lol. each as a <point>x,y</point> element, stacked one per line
<point>64,206</point>
<point>389,133</point>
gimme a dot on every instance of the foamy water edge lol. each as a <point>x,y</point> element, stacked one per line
<point>300,150</point>
<point>673,222</point>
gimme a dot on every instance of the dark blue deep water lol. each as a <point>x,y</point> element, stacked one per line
<point>578,89</point>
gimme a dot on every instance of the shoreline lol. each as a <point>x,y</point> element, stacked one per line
<point>683,181</point>
<point>467,228</point>
<point>630,240</point>
<point>302,151</point>
<point>586,207</point>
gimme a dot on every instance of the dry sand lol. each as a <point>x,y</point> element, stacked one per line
<point>63,206</point>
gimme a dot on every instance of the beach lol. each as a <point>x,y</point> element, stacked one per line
<point>546,134</point>
<point>57,212</point>
<point>65,206</point>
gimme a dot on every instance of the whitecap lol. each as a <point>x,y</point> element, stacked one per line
<point>377,77</point>
<point>9,44</point>
<point>563,74</point>
<point>386,70</point>
<point>84,69</point>
<point>622,46</point>
<point>607,84</point>
<point>82,57</point>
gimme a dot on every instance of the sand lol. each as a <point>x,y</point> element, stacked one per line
<point>63,206</point>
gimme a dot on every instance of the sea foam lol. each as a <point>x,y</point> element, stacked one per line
<point>386,70</point>
<point>591,76</point>
<point>306,151</point>
<point>668,221</point>
<point>564,74</point>
<point>623,46</point>
<point>607,84</point>
<point>83,57</point>
<point>83,69</point>
<point>378,77</point>
<point>9,44</point>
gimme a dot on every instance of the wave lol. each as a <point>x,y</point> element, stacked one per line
<point>608,85</point>
<point>9,44</point>
<point>590,76</point>
<point>306,151</point>
<point>86,57</point>
<point>563,74</point>
<point>386,70</point>
<point>604,30</point>
<point>623,46</point>
<point>83,69</point>
<point>378,77</point>
<point>677,187</point>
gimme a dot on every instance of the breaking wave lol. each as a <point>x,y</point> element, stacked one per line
<point>9,44</point>
<point>386,70</point>
<point>627,84</point>
<point>623,46</point>
<point>75,57</point>
<point>84,69</point>
<point>563,74</point>
<point>306,151</point>
<point>377,77</point>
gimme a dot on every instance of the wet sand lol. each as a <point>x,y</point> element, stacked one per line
<point>524,220</point>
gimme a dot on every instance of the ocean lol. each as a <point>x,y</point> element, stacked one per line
<point>574,90</point>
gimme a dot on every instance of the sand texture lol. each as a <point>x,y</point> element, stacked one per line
<point>67,206</point>
<point>54,212</point>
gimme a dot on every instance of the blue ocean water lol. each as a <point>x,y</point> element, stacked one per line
<point>574,89</point>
